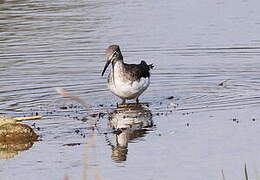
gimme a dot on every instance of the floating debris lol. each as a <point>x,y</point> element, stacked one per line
<point>26,118</point>
<point>5,120</point>
<point>77,131</point>
<point>72,144</point>
<point>170,97</point>
<point>63,107</point>
<point>235,120</point>
<point>223,83</point>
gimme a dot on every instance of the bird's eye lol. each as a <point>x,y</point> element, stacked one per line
<point>115,54</point>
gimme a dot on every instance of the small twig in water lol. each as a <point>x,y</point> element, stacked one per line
<point>27,118</point>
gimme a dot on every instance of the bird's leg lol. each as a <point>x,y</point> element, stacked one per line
<point>123,101</point>
<point>137,101</point>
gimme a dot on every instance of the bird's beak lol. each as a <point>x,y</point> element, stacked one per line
<point>109,59</point>
<point>107,64</point>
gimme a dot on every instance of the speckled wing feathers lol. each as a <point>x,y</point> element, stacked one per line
<point>137,71</point>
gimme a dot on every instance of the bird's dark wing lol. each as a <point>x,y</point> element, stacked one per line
<point>137,71</point>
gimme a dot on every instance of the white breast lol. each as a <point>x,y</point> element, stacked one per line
<point>123,88</point>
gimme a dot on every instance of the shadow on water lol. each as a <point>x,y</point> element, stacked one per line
<point>129,124</point>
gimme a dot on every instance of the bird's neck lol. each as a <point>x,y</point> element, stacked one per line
<point>118,62</point>
<point>118,67</point>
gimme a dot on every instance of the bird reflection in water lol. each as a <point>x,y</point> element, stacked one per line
<point>129,121</point>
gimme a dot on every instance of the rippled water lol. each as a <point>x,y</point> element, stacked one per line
<point>194,46</point>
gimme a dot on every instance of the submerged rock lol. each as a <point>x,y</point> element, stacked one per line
<point>16,132</point>
<point>5,120</point>
<point>14,137</point>
<point>13,131</point>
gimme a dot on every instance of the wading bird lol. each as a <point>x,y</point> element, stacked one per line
<point>127,81</point>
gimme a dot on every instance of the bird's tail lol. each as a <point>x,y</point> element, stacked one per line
<point>150,66</point>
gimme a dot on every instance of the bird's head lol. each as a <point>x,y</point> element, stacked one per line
<point>113,54</point>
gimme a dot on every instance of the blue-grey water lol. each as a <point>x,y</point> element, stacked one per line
<point>198,127</point>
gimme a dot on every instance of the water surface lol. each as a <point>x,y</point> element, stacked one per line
<point>198,126</point>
